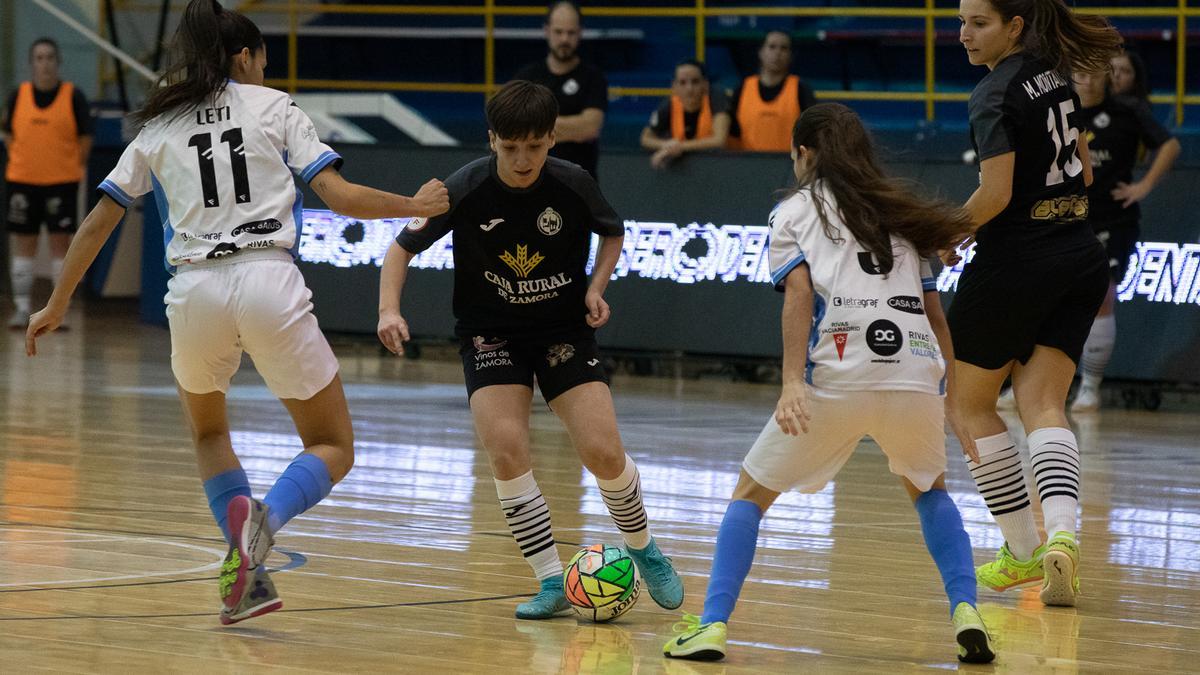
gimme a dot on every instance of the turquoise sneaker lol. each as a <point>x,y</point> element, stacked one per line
<point>665,585</point>
<point>550,602</point>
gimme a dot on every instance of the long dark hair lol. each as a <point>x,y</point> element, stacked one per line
<point>1066,40</point>
<point>1140,88</point>
<point>200,57</point>
<point>872,204</point>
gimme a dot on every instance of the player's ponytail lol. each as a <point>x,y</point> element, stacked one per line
<point>1068,41</point>
<point>872,204</point>
<point>200,57</point>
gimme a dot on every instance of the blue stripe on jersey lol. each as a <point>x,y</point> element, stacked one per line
<point>298,216</point>
<point>814,336</point>
<point>117,194</point>
<point>160,200</point>
<point>928,284</point>
<point>779,275</point>
<point>328,157</point>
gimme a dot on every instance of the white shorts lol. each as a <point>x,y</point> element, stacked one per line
<point>260,306</point>
<point>909,426</point>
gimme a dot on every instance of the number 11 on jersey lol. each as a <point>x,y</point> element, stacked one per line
<point>208,173</point>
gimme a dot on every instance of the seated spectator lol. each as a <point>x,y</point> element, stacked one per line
<point>693,118</point>
<point>766,105</point>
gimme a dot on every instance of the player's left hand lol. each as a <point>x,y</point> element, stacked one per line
<point>792,413</point>
<point>41,323</point>
<point>598,311</point>
<point>960,432</point>
<point>1130,193</point>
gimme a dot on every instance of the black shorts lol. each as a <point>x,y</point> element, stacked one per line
<point>31,206</point>
<point>558,364</point>
<point>1001,311</point>
<point>1120,242</point>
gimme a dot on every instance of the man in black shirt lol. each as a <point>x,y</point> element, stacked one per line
<point>527,312</point>
<point>580,87</point>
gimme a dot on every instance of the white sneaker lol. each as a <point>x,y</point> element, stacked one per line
<point>1087,400</point>
<point>1007,401</point>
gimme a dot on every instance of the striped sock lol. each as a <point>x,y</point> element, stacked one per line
<point>1001,481</point>
<point>528,519</point>
<point>1055,455</point>
<point>623,497</point>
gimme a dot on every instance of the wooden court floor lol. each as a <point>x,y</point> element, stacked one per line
<point>108,554</point>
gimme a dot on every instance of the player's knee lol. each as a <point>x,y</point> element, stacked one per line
<point>602,457</point>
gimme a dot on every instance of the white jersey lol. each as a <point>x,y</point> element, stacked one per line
<point>221,174</point>
<point>869,330</point>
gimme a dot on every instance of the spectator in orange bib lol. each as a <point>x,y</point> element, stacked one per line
<point>47,130</point>
<point>766,105</point>
<point>694,117</point>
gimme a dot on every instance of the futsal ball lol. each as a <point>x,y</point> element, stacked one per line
<point>601,582</point>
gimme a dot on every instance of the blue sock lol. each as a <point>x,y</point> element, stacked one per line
<point>221,489</point>
<point>736,541</point>
<point>304,483</point>
<point>949,545</point>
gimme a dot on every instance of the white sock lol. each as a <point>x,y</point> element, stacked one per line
<point>22,282</point>
<point>623,497</point>
<point>1055,456</point>
<point>1001,481</point>
<point>1098,349</point>
<point>528,519</point>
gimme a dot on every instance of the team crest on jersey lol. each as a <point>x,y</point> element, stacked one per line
<point>522,263</point>
<point>559,354</point>
<point>549,223</point>
<point>570,87</point>
<point>1102,120</point>
<point>839,341</point>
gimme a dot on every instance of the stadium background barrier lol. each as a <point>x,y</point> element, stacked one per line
<point>676,312</point>
<point>923,13</point>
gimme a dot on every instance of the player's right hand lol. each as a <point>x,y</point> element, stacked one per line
<point>41,323</point>
<point>393,332</point>
<point>433,199</point>
<point>792,413</point>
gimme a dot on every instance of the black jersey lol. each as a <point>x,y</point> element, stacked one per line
<point>519,254</point>
<point>582,88</point>
<point>1025,107</point>
<point>1116,130</point>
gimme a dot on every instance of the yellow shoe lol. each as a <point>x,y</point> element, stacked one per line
<point>696,641</point>
<point>1060,588</point>
<point>974,645</point>
<point>1007,572</point>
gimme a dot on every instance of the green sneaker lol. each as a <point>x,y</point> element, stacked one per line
<point>550,602</point>
<point>1007,572</point>
<point>696,641</point>
<point>971,635</point>
<point>1060,588</point>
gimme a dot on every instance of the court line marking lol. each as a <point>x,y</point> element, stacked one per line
<point>427,603</point>
<point>116,539</point>
<point>295,560</point>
